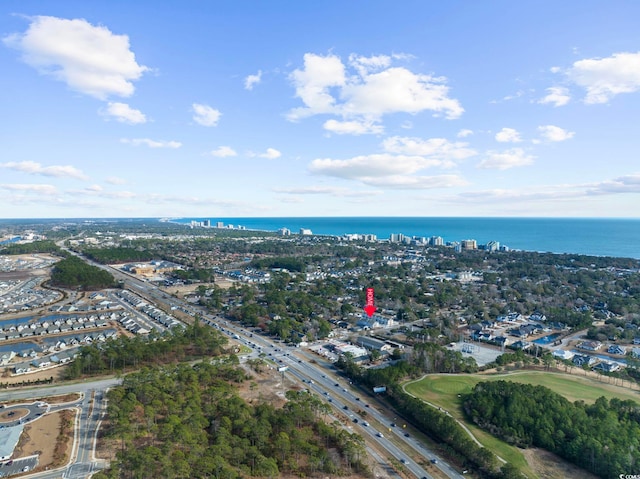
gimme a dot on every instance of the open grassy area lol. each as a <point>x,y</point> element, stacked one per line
<point>443,390</point>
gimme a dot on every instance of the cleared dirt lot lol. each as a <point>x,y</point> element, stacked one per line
<point>50,437</point>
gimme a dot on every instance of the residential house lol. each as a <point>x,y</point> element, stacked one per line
<point>582,359</point>
<point>590,345</point>
<point>524,345</point>
<point>616,349</point>
<point>607,367</point>
<point>562,354</point>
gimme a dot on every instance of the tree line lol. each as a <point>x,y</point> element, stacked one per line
<point>125,353</point>
<point>189,422</point>
<point>74,273</point>
<point>602,437</point>
<point>442,428</point>
<point>45,246</point>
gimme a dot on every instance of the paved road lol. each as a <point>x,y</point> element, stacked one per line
<point>341,395</point>
<point>83,460</point>
<point>299,368</point>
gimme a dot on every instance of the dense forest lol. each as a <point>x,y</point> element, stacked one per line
<point>189,422</point>
<point>288,263</point>
<point>120,254</point>
<point>123,353</point>
<point>74,273</point>
<point>602,438</point>
<point>45,246</point>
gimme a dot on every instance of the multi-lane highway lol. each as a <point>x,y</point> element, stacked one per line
<point>375,425</point>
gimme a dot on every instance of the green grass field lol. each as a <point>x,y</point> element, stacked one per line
<point>443,391</point>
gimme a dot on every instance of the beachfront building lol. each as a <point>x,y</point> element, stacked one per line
<point>469,244</point>
<point>436,241</point>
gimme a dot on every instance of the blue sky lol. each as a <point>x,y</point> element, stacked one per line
<point>285,108</point>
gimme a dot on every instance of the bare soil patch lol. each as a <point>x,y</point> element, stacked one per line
<point>547,465</point>
<point>44,374</point>
<point>13,415</point>
<point>50,437</point>
<point>264,386</point>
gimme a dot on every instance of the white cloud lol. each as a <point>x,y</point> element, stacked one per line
<point>386,171</point>
<point>31,188</point>
<point>507,196</point>
<point>397,90</point>
<point>114,180</point>
<point>398,166</point>
<point>252,80</point>
<point>508,135</point>
<point>124,113</point>
<point>383,164</point>
<point>604,78</point>
<point>327,190</point>
<point>557,95</point>
<point>622,184</point>
<point>353,127</point>
<point>464,133</point>
<point>271,154</point>
<point>629,184</point>
<point>89,59</point>
<point>517,94</point>
<point>407,182</point>
<point>555,133</point>
<point>434,148</point>
<point>223,152</point>
<point>373,89</point>
<point>33,168</point>
<point>151,143</point>
<point>365,65</point>
<point>205,115</point>
<point>503,160</point>
<point>313,82</point>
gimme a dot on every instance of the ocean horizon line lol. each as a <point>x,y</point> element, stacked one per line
<point>617,237</point>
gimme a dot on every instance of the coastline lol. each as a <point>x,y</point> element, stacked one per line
<point>598,237</point>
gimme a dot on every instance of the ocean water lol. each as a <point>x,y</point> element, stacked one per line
<point>589,236</point>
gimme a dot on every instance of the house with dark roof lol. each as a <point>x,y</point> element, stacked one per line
<point>606,367</point>
<point>616,349</point>
<point>582,359</point>
<point>590,345</point>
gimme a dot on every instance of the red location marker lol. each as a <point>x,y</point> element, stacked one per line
<point>369,308</point>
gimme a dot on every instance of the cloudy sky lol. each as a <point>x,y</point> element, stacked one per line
<point>285,108</point>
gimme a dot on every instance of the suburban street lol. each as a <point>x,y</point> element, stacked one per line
<point>83,461</point>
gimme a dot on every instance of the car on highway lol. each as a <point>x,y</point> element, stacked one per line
<point>434,461</point>
<point>379,434</point>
